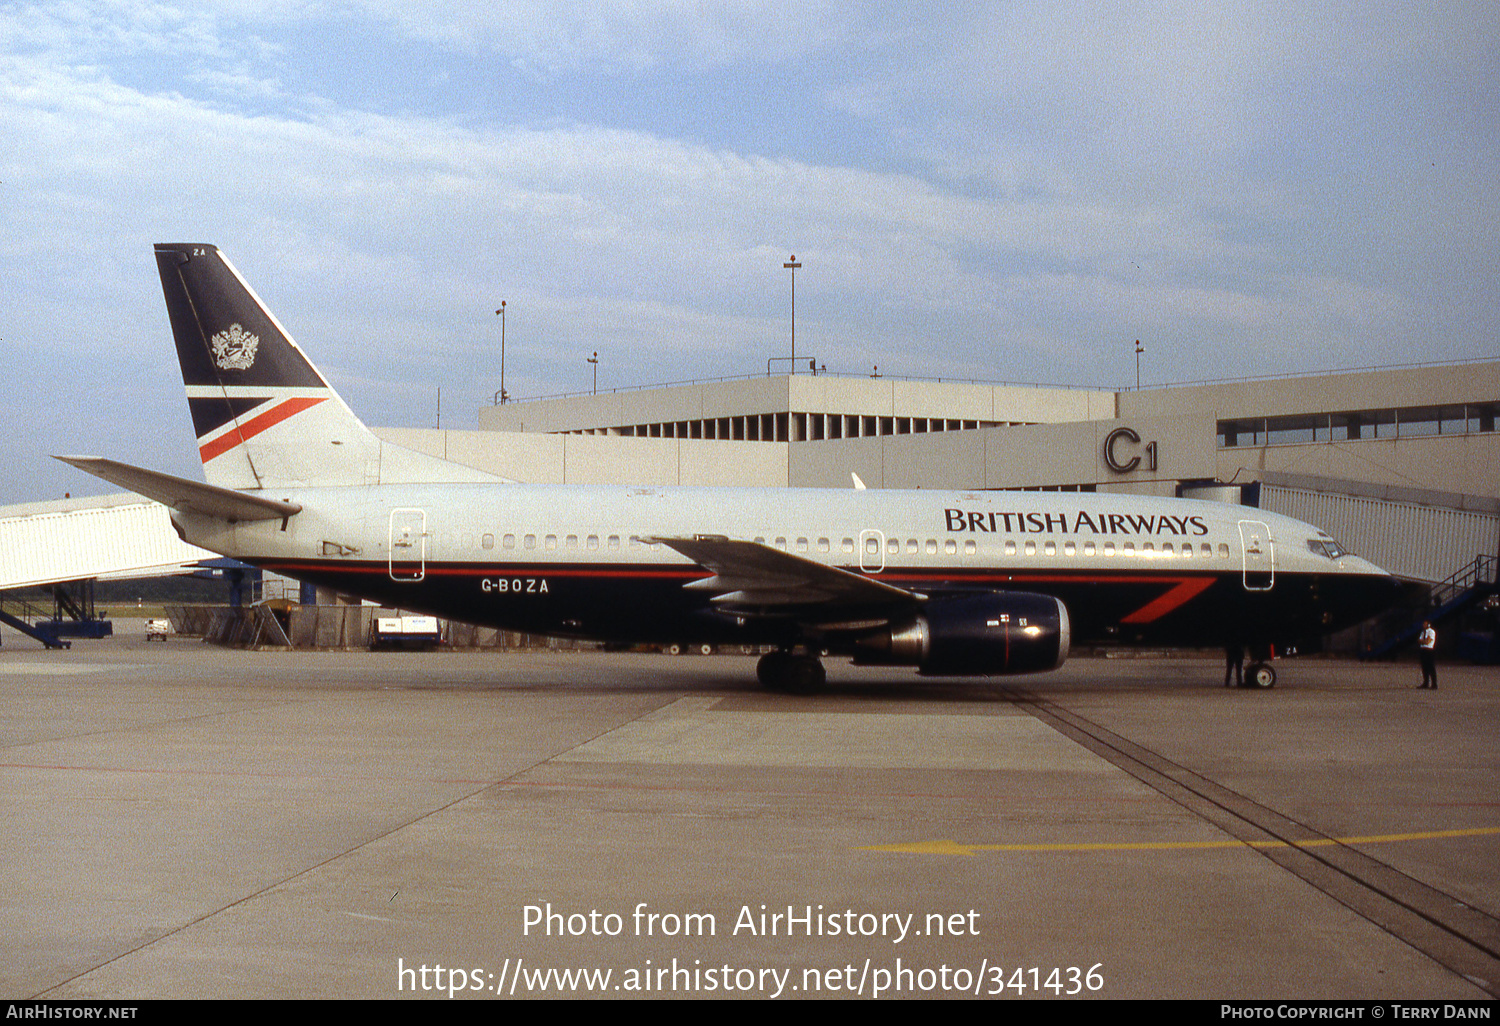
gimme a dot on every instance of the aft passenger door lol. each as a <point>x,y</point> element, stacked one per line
<point>408,544</point>
<point>1259,552</point>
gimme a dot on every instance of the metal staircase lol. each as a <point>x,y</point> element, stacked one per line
<point>1470,584</point>
<point>73,615</point>
<point>31,621</point>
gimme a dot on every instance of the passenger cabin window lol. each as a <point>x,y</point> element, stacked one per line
<point>801,544</point>
<point>1031,548</point>
<point>531,541</point>
<point>593,542</point>
<point>572,541</point>
<point>911,546</point>
<point>1010,546</point>
<point>823,545</point>
<point>551,542</point>
<point>847,545</point>
<point>950,547</point>
<point>488,541</point>
<point>969,547</point>
<point>932,546</point>
<point>614,541</point>
<point>509,541</point>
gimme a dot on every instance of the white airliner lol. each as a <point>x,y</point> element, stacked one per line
<point>953,583</point>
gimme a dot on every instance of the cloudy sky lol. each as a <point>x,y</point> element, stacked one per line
<point>1010,191</point>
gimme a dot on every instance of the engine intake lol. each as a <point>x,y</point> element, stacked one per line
<point>994,634</point>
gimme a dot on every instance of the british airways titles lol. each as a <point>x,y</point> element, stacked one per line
<point>1083,522</point>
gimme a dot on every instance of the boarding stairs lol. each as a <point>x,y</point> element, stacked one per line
<point>1472,583</point>
<point>31,621</point>
<point>73,615</point>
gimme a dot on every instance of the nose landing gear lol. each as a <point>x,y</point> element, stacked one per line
<point>1260,675</point>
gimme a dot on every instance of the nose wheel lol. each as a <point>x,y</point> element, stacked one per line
<point>1260,675</point>
<point>791,673</point>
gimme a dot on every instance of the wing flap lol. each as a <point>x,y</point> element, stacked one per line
<point>750,576</point>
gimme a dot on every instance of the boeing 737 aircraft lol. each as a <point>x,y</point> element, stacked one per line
<point>953,583</point>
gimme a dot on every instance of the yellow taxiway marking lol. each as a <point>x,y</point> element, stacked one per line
<point>945,847</point>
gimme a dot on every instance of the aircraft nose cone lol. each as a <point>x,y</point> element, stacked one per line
<point>1408,592</point>
<point>1388,593</point>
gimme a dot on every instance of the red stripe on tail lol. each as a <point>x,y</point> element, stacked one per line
<point>248,430</point>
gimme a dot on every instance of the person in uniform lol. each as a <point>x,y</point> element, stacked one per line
<point>1426,642</point>
<point>1234,664</point>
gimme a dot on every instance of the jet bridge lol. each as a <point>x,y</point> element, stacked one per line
<point>66,544</point>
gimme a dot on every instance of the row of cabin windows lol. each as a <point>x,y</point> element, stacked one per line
<point>893,546</point>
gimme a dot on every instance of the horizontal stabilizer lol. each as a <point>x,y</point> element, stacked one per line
<point>181,494</point>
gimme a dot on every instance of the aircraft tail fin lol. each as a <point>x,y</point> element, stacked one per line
<point>265,417</point>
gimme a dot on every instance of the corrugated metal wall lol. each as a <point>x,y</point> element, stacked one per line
<point>75,544</point>
<point>1427,543</point>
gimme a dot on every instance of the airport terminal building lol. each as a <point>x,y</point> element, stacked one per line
<point>1400,464</point>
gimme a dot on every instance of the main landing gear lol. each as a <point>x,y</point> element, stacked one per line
<point>792,672</point>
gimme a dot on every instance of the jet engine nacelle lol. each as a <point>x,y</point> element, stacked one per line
<point>993,633</point>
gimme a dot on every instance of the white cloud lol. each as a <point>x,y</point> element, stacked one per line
<point>609,37</point>
<point>1231,182</point>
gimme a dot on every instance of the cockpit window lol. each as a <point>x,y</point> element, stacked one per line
<point>1327,547</point>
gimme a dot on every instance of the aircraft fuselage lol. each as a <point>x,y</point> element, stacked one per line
<point>581,560</point>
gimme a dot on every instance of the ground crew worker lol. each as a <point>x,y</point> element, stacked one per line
<point>1426,642</point>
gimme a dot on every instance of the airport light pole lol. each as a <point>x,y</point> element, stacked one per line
<point>1138,351</point>
<point>792,266</point>
<point>501,396</point>
<point>595,361</point>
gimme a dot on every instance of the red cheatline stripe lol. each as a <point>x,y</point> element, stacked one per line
<point>1160,607</point>
<point>438,570</point>
<point>248,430</point>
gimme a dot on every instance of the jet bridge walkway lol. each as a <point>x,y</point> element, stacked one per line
<point>65,545</point>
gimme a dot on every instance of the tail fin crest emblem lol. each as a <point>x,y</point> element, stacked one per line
<point>234,349</point>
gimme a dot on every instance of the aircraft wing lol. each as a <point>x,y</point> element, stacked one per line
<point>181,494</point>
<point>750,577</point>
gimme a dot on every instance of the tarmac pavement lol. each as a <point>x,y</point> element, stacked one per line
<point>181,821</point>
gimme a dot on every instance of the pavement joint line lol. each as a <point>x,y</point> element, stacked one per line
<point>1463,939</point>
